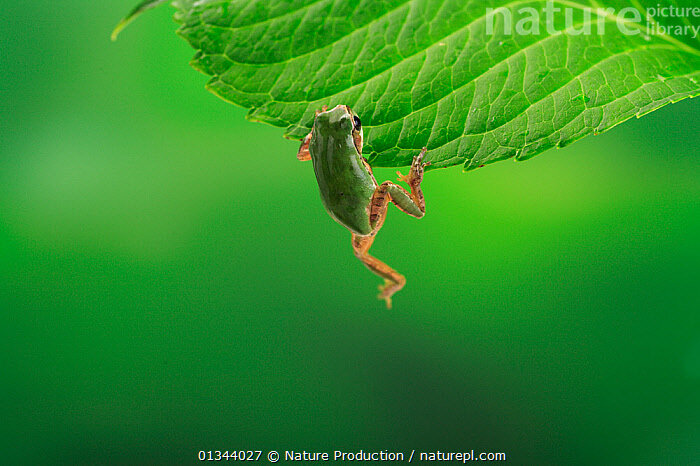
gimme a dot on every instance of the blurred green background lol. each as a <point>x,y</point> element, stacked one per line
<point>170,282</point>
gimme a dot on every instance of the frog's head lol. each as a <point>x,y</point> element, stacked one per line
<point>340,122</point>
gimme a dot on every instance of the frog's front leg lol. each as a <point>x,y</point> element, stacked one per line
<point>304,154</point>
<point>393,281</point>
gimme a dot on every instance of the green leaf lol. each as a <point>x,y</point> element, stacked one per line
<point>429,73</point>
<point>140,8</point>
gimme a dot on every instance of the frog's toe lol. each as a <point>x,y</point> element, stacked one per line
<point>418,159</point>
<point>403,177</point>
<point>383,295</point>
<point>387,290</point>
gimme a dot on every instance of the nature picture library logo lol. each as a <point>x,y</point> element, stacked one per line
<point>668,20</point>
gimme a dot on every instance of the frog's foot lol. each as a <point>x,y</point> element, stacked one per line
<point>388,289</point>
<point>323,109</point>
<point>415,175</point>
<point>413,203</point>
<point>393,281</point>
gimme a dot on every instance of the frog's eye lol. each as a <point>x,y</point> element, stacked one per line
<point>358,123</point>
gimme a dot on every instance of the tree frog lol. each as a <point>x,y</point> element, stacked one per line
<point>349,191</point>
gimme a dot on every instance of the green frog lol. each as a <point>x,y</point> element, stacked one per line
<point>350,192</point>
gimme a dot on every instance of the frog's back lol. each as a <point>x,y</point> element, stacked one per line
<point>345,184</point>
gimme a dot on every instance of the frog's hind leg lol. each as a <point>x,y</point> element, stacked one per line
<point>413,179</point>
<point>393,281</point>
<point>412,203</point>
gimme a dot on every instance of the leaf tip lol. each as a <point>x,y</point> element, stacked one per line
<point>119,28</point>
<point>133,14</point>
